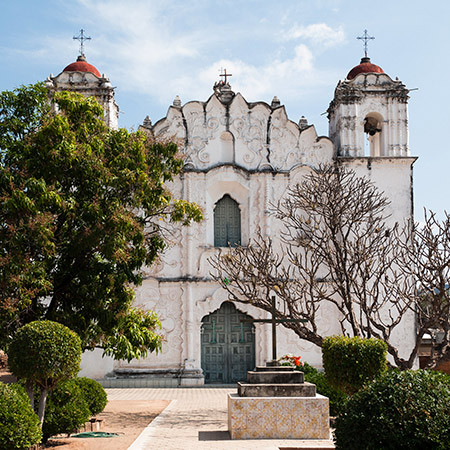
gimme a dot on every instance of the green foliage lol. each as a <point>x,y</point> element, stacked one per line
<point>19,425</point>
<point>67,409</point>
<point>337,398</point>
<point>349,363</point>
<point>45,353</point>
<point>84,207</point>
<point>93,393</point>
<point>401,410</point>
<point>312,375</point>
<point>308,370</point>
<point>134,335</point>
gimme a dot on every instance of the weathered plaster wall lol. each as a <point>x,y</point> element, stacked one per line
<point>253,152</point>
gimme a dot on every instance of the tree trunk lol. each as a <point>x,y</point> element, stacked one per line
<point>30,391</point>
<point>42,403</point>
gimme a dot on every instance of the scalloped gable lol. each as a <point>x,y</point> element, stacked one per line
<point>69,78</point>
<point>253,136</point>
<point>375,80</point>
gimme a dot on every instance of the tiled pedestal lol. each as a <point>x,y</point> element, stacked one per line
<point>278,417</point>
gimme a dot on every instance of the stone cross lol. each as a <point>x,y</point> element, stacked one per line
<point>225,75</point>
<point>365,37</point>
<point>82,38</point>
<point>274,321</point>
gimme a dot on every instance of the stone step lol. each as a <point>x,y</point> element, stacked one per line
<point>322,445</point>
<point>274,369</point>
<point>275,377</point>
<point>276,390</point>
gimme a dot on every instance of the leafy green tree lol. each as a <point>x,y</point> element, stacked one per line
<point>19,425</point>
<point>83,208</point>
<point>44,354</point>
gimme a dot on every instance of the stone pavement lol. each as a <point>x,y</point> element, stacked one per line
<point>196,418</point>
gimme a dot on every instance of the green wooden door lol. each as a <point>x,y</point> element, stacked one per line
<point>228,345</point>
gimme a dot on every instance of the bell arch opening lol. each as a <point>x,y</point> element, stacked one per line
<point>373,135</point>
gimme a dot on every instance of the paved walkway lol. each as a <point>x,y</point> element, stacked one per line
<point>196,418</point>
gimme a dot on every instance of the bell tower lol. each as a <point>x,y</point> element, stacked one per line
<point>369,113</point>
<point>84,78</point>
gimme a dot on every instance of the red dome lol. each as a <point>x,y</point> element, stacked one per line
<point>81,65</point>
<point>364,67</point>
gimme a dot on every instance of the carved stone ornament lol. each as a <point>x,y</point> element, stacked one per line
<point>258,136</point>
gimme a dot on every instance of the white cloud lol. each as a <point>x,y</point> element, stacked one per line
<point>155,49</point>
<point>287,78</point>
<point>318,34</point>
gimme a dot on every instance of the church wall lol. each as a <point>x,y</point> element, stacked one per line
<point>253,153</point>
<point>393,176</point>
<point>186,269</point>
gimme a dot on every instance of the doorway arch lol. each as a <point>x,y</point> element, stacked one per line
<point>228,345</point>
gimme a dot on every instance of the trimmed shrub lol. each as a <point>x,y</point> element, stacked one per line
<point>19,425</point>
<point>45,353</point>
<point>93,393</point>
<point>349,363</point>
<point>401,410</point>
<point>66,410</point>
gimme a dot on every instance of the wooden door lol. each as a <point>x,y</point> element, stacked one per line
<point>228,345</point>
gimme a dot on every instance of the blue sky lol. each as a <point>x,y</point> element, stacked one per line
<point>295,49</point>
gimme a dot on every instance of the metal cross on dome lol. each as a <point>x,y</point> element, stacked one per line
<point>365,37</point>
<point>82,38</point>
<point>225,75</point>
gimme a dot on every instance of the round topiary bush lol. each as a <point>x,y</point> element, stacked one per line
<point>66,410</point>
<point>401,410</point>
<point>45,353</point>
<point>93,393</point>
<point>19,425</point>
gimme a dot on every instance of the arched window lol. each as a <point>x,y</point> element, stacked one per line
<point>227,223</point>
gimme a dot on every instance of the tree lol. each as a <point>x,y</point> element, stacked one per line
<point>424,260</point>
<point>44,354</point>
<point>336,249</point>
<point>83,208</point>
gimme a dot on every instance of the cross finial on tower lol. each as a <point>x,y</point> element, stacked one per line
<point>225,74</point>
<point>82,38</point>
<point>365,37</point>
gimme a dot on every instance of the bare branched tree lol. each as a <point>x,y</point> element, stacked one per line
<point>335,249</point>
<point>424,261</point>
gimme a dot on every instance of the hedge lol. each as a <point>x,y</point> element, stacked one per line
<point>350,363</point>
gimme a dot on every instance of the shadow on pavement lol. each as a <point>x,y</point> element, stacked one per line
<point>214,436</point>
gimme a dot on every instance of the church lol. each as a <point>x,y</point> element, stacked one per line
<point>240,158</point>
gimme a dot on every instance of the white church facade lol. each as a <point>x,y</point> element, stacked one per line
<point>240,158</point>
